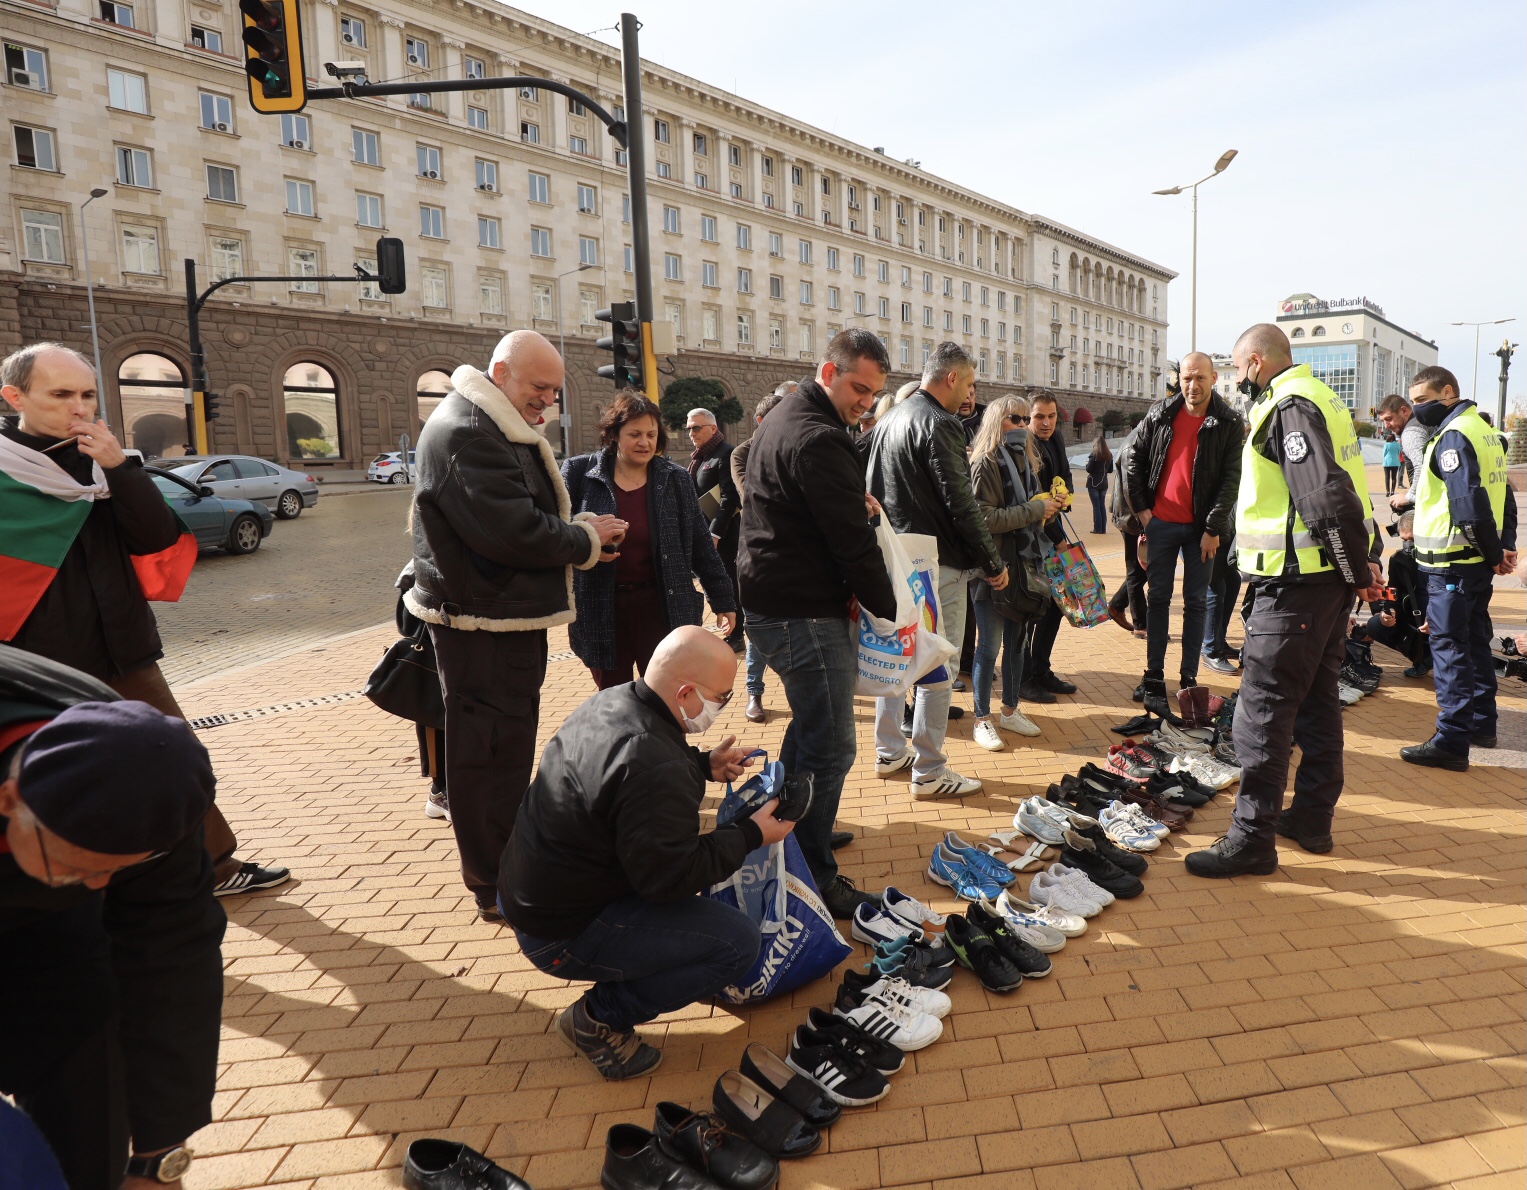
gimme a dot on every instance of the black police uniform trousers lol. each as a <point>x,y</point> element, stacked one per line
<point>491,682</point>
<point>1292,657</point>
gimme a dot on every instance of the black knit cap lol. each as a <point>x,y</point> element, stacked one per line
<point>117,777</point>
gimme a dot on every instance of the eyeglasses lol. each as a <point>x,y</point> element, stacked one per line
<point>80,877</point>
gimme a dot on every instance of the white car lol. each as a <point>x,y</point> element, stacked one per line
<point>388,468</point>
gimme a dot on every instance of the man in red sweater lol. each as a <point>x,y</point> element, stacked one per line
<point>1183,475</point>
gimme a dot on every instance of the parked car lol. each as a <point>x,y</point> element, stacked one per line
<point>237,526</point>
<point>389,468</point>
<point>244,477</point>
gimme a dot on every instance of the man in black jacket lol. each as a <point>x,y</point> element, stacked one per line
<point>110,937</point>
<point>601,877</point>
<point>1183,477</point>
<point>93,616</point>
<point>920,474</point>
<point>710,468</point>
<point>807,552</point>
<point>1401,623</point>
<point>494,551</point>
<point>1040,681</point>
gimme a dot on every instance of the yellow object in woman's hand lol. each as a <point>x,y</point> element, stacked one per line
<point>1059,491</point>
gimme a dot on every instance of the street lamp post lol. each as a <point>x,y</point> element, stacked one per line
<point>564,421</point>
<point>95,333</point>
<point>1474,387</point>
<point>1219,167</point>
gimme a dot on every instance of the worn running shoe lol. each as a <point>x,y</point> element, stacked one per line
<point>1033,820</point>
<point>1027,958</point>
<point>616,1055</point>
<point>1120,857</point>
<point>1058,892</point>
<point>978,952</point>
<point>1126,832</point>
<point>884,1056</point>
<point>978,861</point>
<point>912,911</point>
<point>890,989</point>
<point>1043,938</point>
<point>1207,771</point>
<point>948,869</point>
<point>1068,925</point>
<point>873,924</point>
<point>1123,762</point>
<point>912,966</point>
<point>847,1078</point>
<point>1083,855</point>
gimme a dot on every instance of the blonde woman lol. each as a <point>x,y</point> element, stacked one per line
<point>1004,468</point>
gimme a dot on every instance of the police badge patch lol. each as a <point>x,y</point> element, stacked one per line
<point>1450,460</point>
<point>1295,446</point>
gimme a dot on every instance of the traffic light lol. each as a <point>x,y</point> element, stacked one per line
<point>390,271</point>
<point>209,406</point>
<point>624,343</point>
<point>273,55</point>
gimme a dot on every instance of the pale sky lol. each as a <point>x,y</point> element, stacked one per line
<point>1381,143</point>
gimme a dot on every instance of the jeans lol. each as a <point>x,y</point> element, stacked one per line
<point>1463,671</point>
<point>645,959</point>
<point>755,671</point>
<point>1164,541</point>
<point>1131,592</point>
<point>1099,508</point>
<point>816,662</point>
<point>994,631</point>
<point>1219,602</point>
<point>930,706</point>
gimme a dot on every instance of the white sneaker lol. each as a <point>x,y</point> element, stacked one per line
<point>1043,938</point>
<point>910,910</point>
<point>1140,818</point>
<point>1018,722</point>
<point>947,784</point>
<point>893,990</point>
<point>1071,925</point>
<point>987,736</point>
<point>1049,889</point>
<point>1033,821</point>
<point>897,764</point>
<point>1082,882</point>
<point>1349,694</point>
<point>1214,774</point>
<point>437,806</point>
<point>904,1028</point>
<point>1126,832</point>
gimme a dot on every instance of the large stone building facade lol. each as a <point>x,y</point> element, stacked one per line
<point>768,235</point>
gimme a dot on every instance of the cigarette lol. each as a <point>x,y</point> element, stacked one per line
<point>59,445</point>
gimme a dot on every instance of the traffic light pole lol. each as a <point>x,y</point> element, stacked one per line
<point>636,167</point>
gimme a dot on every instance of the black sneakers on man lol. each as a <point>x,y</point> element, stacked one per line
<point>614,1054</point>
<point>1232,857</point>
<point>1083,855</point>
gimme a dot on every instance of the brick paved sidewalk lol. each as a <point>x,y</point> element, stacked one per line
<point>1355,1020</point>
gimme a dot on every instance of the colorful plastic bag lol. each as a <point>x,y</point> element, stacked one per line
<point>895,655</point>
<point>774,888</point>
<point>1075,583</point>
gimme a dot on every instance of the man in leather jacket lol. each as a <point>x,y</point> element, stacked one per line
<point>920,474</point>
<point>494,551</point>
<point>710,469</point>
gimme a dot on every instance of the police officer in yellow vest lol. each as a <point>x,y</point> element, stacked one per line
<point>1465,532</point>
<point>1307,543</point>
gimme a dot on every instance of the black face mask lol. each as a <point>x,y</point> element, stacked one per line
<point>1432,413</point>
<point>1408,547</point>
<point>1248,387</point>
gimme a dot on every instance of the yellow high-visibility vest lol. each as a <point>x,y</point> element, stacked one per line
<point>1439,542</point>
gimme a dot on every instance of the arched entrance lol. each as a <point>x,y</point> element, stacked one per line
<point>153,395</point>
<point>312,412</point>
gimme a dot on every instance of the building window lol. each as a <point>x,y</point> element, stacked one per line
<point>701,145</point>
<point>417,52</point>
<point>477,117</point>
<point>540,188</point>
<point>702,182</point>
<point>777,288</point>
<point>744,280</point>
<point>127,92</point>
<point>776,244</point>
<point>296,131</point>
<point>949,320</point>
<point>368,209</point>
<point>588,199</point>
<point>708,228</point>
<point>488,232</point>
<point>579,145</point>
<point>832,260</point>
<point>744,237</point>
<point>26,67</point>
<point>744,328</point>
<point>660,131</point>
<point>540,302</point>
<point>1334,365</point>
<point>805,293</point>
<point>883,271</point>
<point>927,315</point>
<point>629,258</point>
<point>473,68</point>
<point>1318,333</point>
<point>985,328</point>
<point>737,190</point>
<point>859,303</point>
<point>858,265</point>
<point>530,94</point>
<point>428,161</point>
<point>117,14</point>
<point>805,248</point>
<point>768,166</point>
<point>588,307</point>
<point>673,267</point>
<point>710,324</point>
<point>34,148</point>
<point>776,334</point>
<point>299,197</point>
<point>906,311</point>
<point>884,307</point>
<point>434,288</point>
<point>140,249</point>
<point>540,241</point>
<point>303,263</point>
<point>797,176</point>
<point>834,298</point>
<point>42,233</point>
<point>222,183</point>
<point>671,220</point>
<point>625,208</point>
<point>708,274</point>
<point>487,175</point>
<point>664,170</point>
<point>352,32</point>
<point>134,167</point>
<point>153,404</point>
<point>312,412</point>
<point>216,112</point>
<point>1298,333</point>
<point>734,154</point>
<point>365,148</point>
<point>227,258</point>
<point>588,250</point>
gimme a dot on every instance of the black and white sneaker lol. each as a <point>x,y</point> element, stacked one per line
<point>845,1077</point>
<point>1083,855</point>
<point>884,1056</point>
<point>898,1021</point>
<point>251,877</point>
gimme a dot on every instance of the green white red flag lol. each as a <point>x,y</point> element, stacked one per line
<point>42,508</point>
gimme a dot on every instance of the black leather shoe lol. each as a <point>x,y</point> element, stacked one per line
<point>956,713</point>
<point>633,1160</point>
<point>1220,665</point>
<point>842,898</point>
<point>773,1074</point>
<point>1154,689</point>
<point>446,1165</point>
<point>1232,857</point>
<point>703,1141</point>
<point>1433,757</point>
<point>1139,693</point>
<point>838,840</point>
<point>1054,683</point>
<point>1032,691</point>
<point>1290,827</point>
<point>1482,741</point>
<point>770,1124</point>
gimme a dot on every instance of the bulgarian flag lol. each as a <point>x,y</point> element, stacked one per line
<point>41,510</point>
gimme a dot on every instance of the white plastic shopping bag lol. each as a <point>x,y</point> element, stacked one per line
<point>894,655</point>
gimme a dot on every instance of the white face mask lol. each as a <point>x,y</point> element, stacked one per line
<point>701,722</point>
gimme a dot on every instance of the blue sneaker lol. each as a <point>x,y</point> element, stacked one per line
<point>950,870</point>
<point>987,866</point>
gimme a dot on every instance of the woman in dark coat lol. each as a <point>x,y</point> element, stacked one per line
<point>1099,467</point>
<point>646,588</point>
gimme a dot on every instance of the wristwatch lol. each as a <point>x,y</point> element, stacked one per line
<point>163,1167</point>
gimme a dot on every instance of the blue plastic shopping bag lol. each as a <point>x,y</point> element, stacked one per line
<point>775,889</point>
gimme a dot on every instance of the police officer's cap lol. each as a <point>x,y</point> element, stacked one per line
<point>117,778</point>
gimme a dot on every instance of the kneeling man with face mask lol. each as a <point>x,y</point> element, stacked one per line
<point>601,877</point>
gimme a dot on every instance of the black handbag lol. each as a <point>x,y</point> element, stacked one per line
<point>1027,593</point>
<point>406,683</point>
